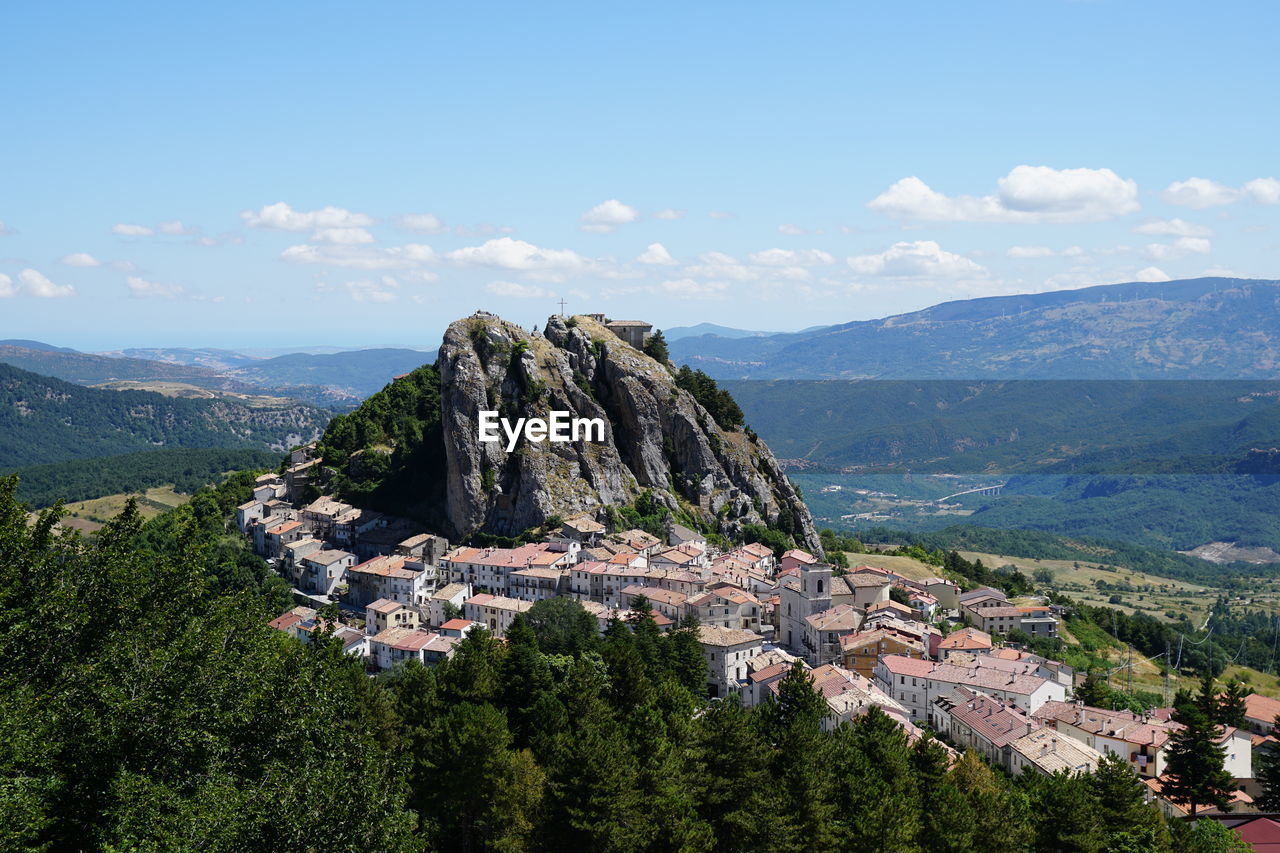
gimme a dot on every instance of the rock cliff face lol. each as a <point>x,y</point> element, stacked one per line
<point>657,437</point>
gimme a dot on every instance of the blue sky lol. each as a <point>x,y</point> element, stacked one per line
<point>228,174</point>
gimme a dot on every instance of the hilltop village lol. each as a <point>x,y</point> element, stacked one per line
<point>926,653</point>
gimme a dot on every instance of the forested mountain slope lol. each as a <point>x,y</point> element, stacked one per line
<point>45,420</point>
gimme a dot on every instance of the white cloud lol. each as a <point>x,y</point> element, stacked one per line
<point>282,217</point>
<point>1030,252</point>
<point>788,228</point>
<point>140,288</point>
<point>378,292</point>
<point>423,223</point>
<point>6,287</point>
<point>1026,194</point>
<point>1179,248</point>
<point>1151,274</point>
<point>669,214</point>
<point>349,256</point>
<point>1173,228</point>
<point>38,285</point>
<point>656,253</point>
<point>342,236</point>
<point>718,265</point>
<point>5,229</point>
<point>720,214</point>
<point>687,288</point>
<point>506,253</point>
<point>81,259</point>
<point>519,291</point>
<point>126,230</point>
<point>608,215</point>
<point>1263,190</point>
<point>921,258</point>
<point>1202,192</point>
<point>176,227</point>
<point>791,258</point>
<point>1199,193</point>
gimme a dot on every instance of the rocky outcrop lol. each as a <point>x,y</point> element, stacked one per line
<point>657,437</point>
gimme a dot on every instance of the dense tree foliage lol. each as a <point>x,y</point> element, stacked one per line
<point>145,711</point>
<point>718,402</point>
<point>148,706</point>
<point>46,420</point>
<point>389,453</point>
<point>656,347</point>
<point>84,479</point>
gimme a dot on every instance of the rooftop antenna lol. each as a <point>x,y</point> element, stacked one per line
<point>562,306</point>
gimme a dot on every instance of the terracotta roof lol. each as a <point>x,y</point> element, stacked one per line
<point>802,556</point>
<point>903,665</point>
<point>1261,708</point>
<point>384,606</point>
<point>456,624</point>
<point>966,638</point>
<point>865,579</point>
<point>285,621</point>
<point>997,722</point>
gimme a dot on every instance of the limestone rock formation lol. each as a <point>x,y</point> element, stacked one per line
<point>657,437</point>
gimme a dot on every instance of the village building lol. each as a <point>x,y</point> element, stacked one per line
<point>823,632</point>
<point>396,578</point>
<point>861,651</point>
<point>636,541</point>
<point>727,606</point>
<point>453,594</point>
<point>969,640</point>
<point>1048,752</point>
<point>395,645</point>
<point>487,569</point>
<point>974,720</point>
<point>495,612</point>
<point>727,651</point>
<point>634,332</point>
<point>384,613</point>
<point>916,683</point>
<point>537,583</point>
<point>319,573</point>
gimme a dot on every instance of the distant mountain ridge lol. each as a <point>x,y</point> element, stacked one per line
<point>330,378</point>
<point>1206,328</point>
<point>45,420</point>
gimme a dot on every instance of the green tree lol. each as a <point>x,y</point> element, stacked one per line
<point>1066,812</point>
<point>1268,773</point>
<point>876,805</point>
<point>733,782</point>
<point>1231,706</point>
<point>801,755</point>
<point>563,626</point>
<point>1122,810</point>
<point>1194,773</point>
<point>656,347</point>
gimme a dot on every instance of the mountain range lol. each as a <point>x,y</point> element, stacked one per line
<point>339,378</point>
<point>1205,328</point>
<point>45,420</point>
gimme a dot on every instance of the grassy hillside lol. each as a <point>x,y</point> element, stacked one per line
<point>45,420</point>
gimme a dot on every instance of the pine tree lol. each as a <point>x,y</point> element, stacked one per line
<point>1094,691</point>
<point>1066,812</point>
<point>1121,804</point>
<point>1268,774</point>
<point>1001,819</point>
<point>876,804</point>
<point>801,757</point>
<point>656,347</point>
<point>1194,772</point>
<point>1231,707</point>
<point>735,790</point>
<point>946,820</point>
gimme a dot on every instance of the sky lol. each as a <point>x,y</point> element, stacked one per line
<point>287,174</point>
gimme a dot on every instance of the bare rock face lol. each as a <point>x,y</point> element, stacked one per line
<point>657,437</point>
